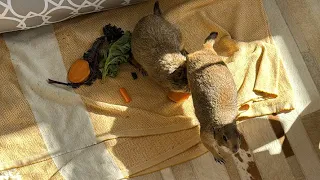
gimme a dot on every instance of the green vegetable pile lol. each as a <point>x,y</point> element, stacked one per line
<point>105,55</point>
<point>114,54</point>
<point>113,49</point>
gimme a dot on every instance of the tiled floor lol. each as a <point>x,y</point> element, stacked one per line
<point>291,150</point>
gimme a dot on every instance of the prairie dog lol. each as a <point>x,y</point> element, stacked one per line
<point>156,46</point>
<point>214,97</point>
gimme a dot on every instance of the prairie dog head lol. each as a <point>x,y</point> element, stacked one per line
<point>228,136</point>
<point>178,77</point>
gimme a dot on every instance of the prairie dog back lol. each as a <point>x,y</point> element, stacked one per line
<point>214,97</point>
<point>156,46</point>
<point>153,38</point>
<point>213,89</point>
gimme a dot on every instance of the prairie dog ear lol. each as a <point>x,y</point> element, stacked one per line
<point>210,40</point>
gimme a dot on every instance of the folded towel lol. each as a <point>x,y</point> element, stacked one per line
<point>263,86</point>
<point>47,132</point>
<point>246,46</point>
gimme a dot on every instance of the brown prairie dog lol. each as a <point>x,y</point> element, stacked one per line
<point>214,97</point>
<point>156,46</point>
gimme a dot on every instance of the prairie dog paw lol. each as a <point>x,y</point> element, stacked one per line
<point>219,159</point>
<point>143,72</point>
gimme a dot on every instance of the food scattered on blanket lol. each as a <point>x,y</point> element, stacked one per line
<point>134,75</point>
<point>244,107</point>
<point>103,58</point>
<point>79,71</point>
<point>112,33</point>
<point>178,96</point>
<point>214,95</point>
<point>118,53</point>
<point>73,85</point>
<point>134,63</point>
<point>156,46</point>
<point>125,95</point>
<point>92,56</point>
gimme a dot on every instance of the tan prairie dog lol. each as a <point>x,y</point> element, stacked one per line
<point>156,46</point>
<point>214,97</point>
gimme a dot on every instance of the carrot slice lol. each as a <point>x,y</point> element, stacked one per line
<point>125,95</point>
<point>79,71</point>
<point>178,96</point>
<point>244,107</point>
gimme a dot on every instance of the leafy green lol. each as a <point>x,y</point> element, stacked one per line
<point>118,53</point>
<point>92,56</point>
<point>112,33</point>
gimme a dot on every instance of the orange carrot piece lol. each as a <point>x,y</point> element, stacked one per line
<point>79,71</point>
<point>125,95</point>
<point>244,107</point>
<point>178,96</point>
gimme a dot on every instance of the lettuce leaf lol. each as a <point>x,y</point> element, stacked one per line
<point>118,53</point>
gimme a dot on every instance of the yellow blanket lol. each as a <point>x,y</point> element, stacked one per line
<point>245,43</point>
<point>151,132</point>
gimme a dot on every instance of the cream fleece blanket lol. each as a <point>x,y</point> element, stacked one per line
<point>51,132</point>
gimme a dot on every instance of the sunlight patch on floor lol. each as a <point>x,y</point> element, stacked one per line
<point>274,147</point>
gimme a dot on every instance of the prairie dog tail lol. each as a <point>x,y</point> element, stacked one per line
<point>210,40</point>
<point>156,9</point>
